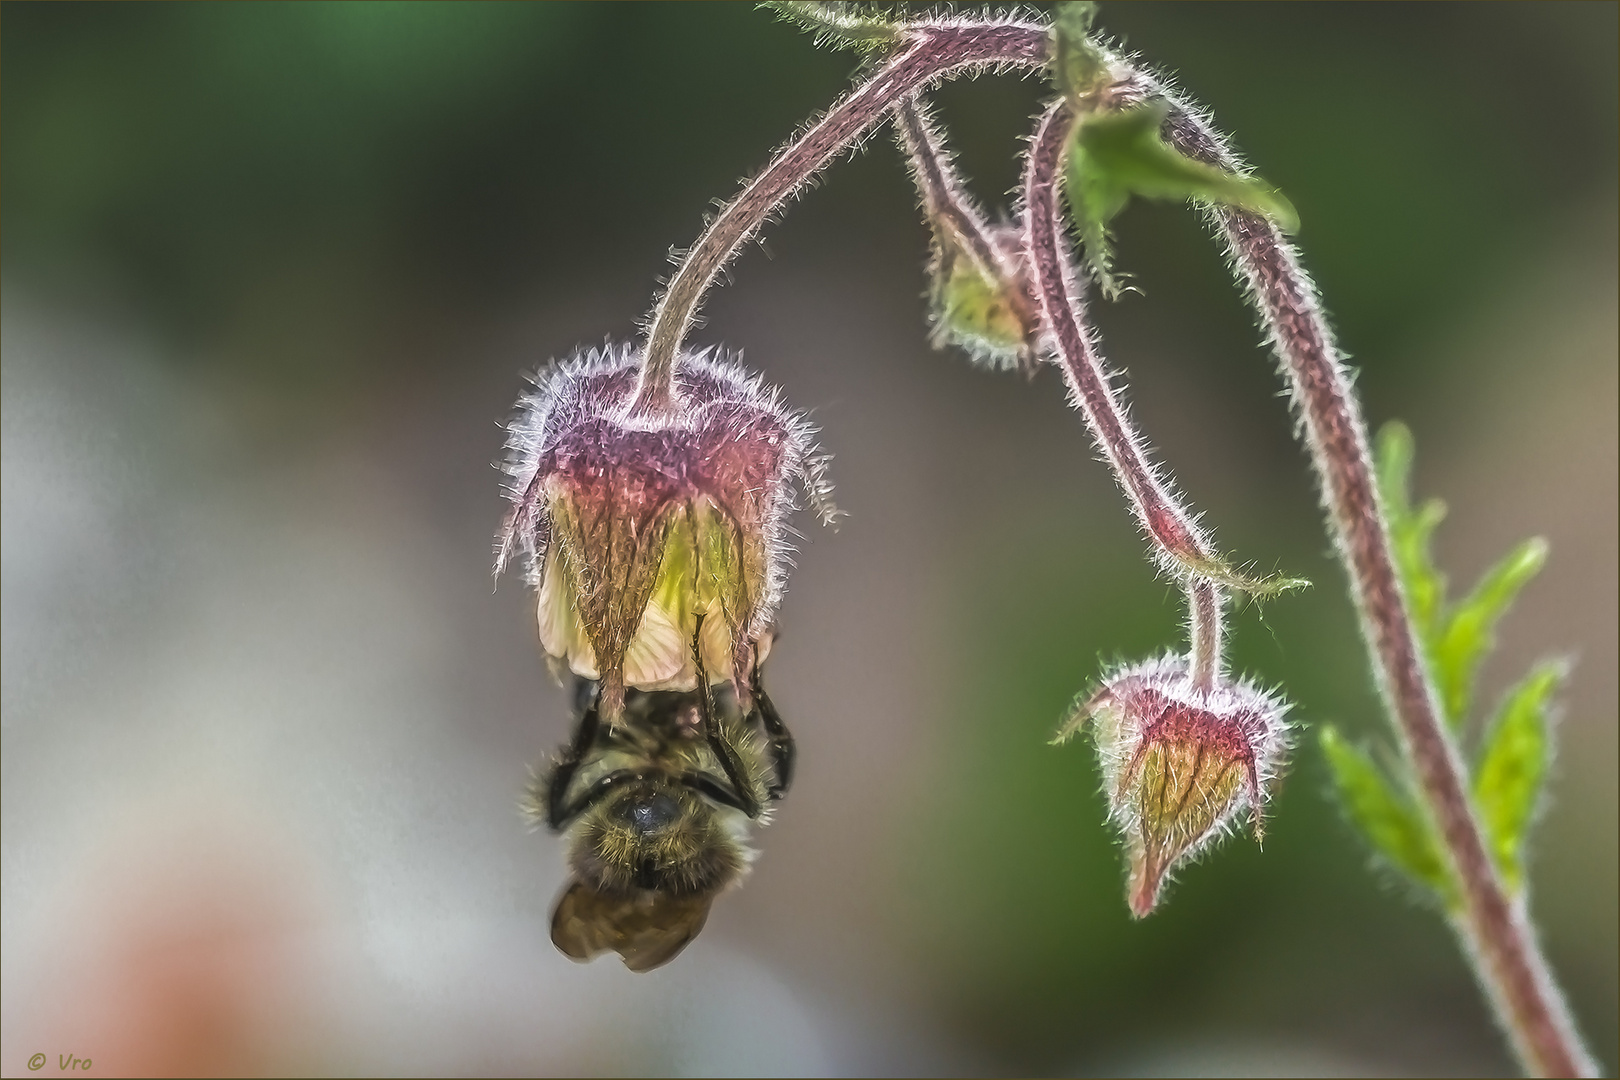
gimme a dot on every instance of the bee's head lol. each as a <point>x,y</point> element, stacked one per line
<point>657,835</point>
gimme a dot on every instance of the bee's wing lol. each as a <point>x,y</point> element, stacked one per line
<point>648,930</point>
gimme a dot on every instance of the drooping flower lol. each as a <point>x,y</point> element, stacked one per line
<point>980,290</point>
<point>631,528</point>
<point>1180,765</point>
<point>982,298</point>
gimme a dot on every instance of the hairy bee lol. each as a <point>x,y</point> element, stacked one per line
<point>657,811</point>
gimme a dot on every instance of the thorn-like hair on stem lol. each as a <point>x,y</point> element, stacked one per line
<point>981,298</point>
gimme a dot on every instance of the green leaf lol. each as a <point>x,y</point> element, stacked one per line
<point>1078,66</point>
<point>1512,765</point>
<point>1469,633</point>
<point>1119,154</point>
<point>1456,638</point>
<point>841,25</point>
<point>1261,588</point>
<point>1410,531</point>
<point>1385,816</point>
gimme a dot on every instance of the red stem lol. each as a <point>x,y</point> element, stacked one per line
<point>1496,928</point>
<point>1204,604</point>
<point>931,51</point>
<point>1170,527</point>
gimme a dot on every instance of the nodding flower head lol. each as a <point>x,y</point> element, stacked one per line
<point>1180,764</point>
<point>636,531</point>
<point>982,297</point>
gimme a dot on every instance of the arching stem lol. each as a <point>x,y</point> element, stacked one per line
<point>943,200</point>
<point>1178,541</point>
<point>930,51</point>
<point>1496,930</point>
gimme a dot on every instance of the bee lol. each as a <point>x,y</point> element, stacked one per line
<point>657,811</point>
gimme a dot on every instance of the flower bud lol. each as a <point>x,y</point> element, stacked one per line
<point>982,295</point>
<point>982,299</point>
<point>1179,764</point>
<point>633,528</point>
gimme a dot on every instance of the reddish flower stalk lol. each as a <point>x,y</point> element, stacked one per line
<point>1181,546</point>
<point>1184,749</point>
<point>942,196</point>
<point>1496,929</point>
<point>930,51</point>
<point>1204,631</point>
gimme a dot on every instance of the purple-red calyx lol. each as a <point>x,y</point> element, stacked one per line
<point>635,530</point>
<point>1180,764</point>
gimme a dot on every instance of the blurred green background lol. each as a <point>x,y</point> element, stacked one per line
<point>270,274</point>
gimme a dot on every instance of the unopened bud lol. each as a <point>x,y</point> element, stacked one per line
<point>1180,765</point>
<point>634,528</point>
<point>982,298</point>
<point>981,291</point>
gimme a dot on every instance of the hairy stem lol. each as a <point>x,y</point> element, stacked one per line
<point>1204,603</point>
<point>943,200</point>
<point>930,51</point>
<point>1496,930</point>
<point>1175,537</point>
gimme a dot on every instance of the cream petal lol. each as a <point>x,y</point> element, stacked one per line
<point>649,664</point>
<point>658,653</point>
<point>561,634</point>
<point>716,645</point>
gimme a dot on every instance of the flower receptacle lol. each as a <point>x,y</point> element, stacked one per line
<point>638,530</point>
<point>1180,765</point>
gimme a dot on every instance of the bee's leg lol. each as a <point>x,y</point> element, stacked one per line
<point>745,801</point>
<point>562,773</point>
<point>782,748</point>
<point>704,784</point>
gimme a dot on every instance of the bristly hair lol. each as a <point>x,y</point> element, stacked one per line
<point>960,228</point>
<point>599,381</point>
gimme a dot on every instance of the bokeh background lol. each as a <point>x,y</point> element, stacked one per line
<point>271,273</point>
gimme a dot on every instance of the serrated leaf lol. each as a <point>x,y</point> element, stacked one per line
<point>1385,816</point>
<point>1261,588</point>
<point>1469,630</point>
<point>841,25</point>
<point>1456,638</point>
<point>1512,765</point>
<point>1410,530</point>
<point>1120,154</point>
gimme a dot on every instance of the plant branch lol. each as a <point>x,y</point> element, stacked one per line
<point>928,52</point>
<point>1204,604</point>
<point>979,281</point>
<point>1496,930</point>
<point>943,199</point>
<point>1181,546</point>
